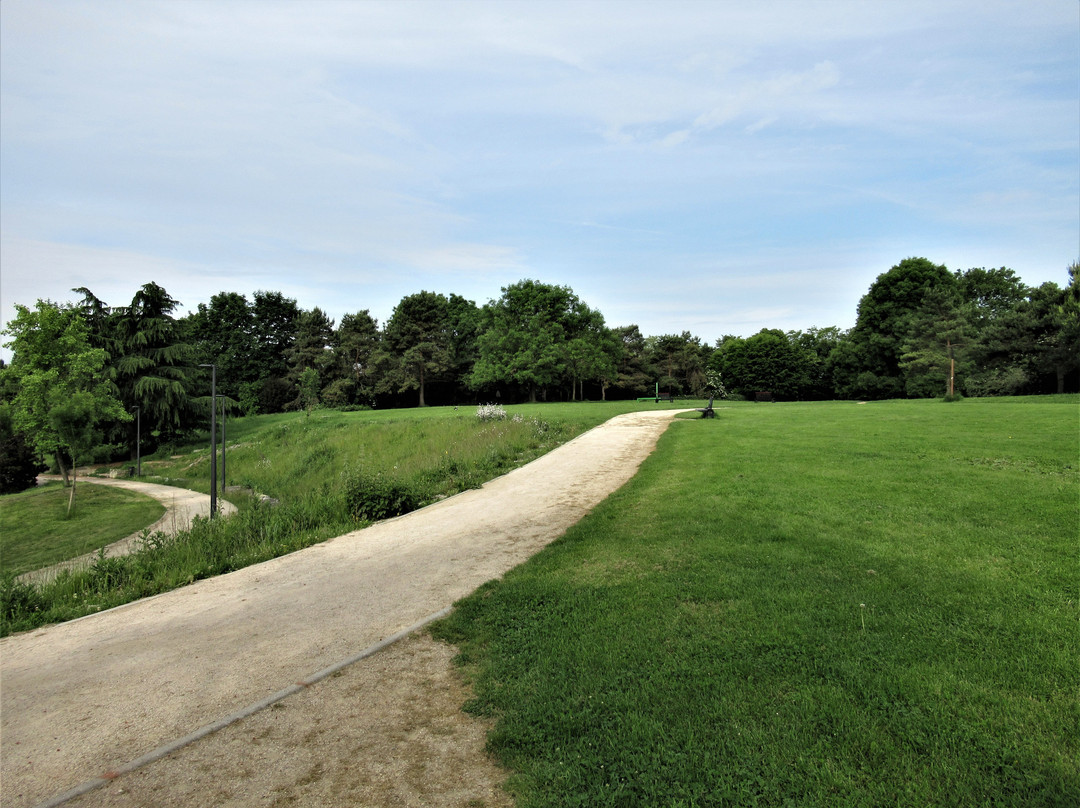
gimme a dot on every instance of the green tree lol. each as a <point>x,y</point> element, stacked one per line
<point>770,361</point>
<point>680,362</point>
<point>311,349</point>
<point>532,336</point>
<point>155,368</point>
<point>634,375</point>
<point>989,294</point>
<point>63,393</point>
<point>354,343</point>
<point>592,352</point>
<point>274,321</point>
<point>419,343</point>
<point>223,334</point>
<point>19,463</point>
<point>465,322</point>
<point>308,385</point>
<point>867,363</point>
<point>1051,322</point>
<point>937,346</point>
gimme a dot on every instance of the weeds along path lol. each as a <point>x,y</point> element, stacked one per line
<point>181,507</point>
<point>84,698</point>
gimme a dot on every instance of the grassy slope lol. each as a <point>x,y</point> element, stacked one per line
<point>292,456</point>
<point>805,604</point>
<point>35,530</point>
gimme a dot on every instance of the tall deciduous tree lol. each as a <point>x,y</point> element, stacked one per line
<point>223,334</point>
<point>63,392</point>
<point>533,335</point>
<point>867,363</point>
<point>768,361</point>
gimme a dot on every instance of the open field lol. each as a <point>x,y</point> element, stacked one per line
<point>35,530</point>
<point>803,604</point>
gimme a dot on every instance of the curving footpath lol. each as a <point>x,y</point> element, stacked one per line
<point>81,701</point>
<point>181,507</point>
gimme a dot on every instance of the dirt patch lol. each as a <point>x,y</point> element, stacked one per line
<point>84,698</point>
<point>387,731</point>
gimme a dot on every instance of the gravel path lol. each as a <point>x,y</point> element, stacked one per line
<point>181,507</point>
<point>81,700</point>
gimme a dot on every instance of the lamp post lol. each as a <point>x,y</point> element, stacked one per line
<point>213,439</point>
<point>138,441</point>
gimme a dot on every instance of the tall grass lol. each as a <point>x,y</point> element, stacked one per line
<point>306,464</point>
<point>804,604</point>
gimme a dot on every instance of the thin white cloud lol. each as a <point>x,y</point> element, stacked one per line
<point>354,144</point>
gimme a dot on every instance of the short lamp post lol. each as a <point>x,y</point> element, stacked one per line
<point>138,441</point>
<point>213,439</point>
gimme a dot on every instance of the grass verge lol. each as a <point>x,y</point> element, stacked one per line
<point>802,604</point>
<point>35,530</point>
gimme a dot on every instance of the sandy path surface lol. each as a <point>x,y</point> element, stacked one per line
<point>82,699</point>
<point>181,507</point>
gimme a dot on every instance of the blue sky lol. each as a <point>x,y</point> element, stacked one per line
<point>713,167</point>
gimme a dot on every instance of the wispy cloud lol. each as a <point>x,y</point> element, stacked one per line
<point>648,156</point>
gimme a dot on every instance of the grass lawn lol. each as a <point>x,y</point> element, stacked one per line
<point>35,530</point>
<point>821,604</point>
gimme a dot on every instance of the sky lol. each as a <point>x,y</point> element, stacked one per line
<point>713,167</point>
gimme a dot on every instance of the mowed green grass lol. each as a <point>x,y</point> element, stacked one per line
<point>821,604</point>
<point>35,530</point>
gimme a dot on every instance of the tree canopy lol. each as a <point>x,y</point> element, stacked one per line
<point>920,330</point>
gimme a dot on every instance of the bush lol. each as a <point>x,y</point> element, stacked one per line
<point>491,412</point>
<point>18,599</point>
<point>19,463</point>
<point>376,496</point>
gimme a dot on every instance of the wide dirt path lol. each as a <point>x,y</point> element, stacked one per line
<point>82,699</point>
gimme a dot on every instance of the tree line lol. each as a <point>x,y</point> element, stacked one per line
<point>85,375</point>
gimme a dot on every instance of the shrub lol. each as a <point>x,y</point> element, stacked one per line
<point>376,496</point>
<point>18,599</point>
<point>491,412</point>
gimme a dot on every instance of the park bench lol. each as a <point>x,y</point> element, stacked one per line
<point>658,397</point>
<point>763,395</point>
<point>707,412</point>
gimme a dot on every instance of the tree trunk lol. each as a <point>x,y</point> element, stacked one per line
<point>71,496</point>
<point>1060,369</point>
<point>422,404</point>
<point>63,469</point>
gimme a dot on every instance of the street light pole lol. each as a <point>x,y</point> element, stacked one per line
<point>213,439</point>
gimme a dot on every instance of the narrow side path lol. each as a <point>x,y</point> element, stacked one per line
<point>80,699</point>
<point>181,507</point>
